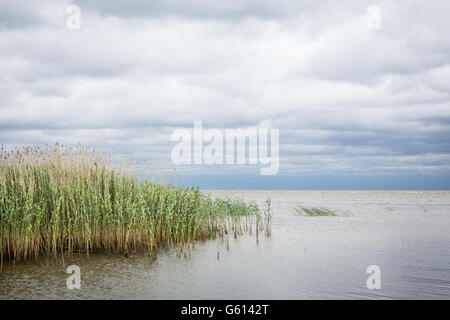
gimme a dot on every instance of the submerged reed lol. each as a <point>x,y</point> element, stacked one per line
<point>320,212</point>
<point>56,200</point>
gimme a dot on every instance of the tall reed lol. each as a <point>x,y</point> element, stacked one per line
<point>56,200</point>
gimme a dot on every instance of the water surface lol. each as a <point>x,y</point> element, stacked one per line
<point>405,233</point>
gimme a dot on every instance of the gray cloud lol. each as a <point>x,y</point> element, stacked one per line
<point>204,9</point>
<point>345,98</point>
<point>18,15</point>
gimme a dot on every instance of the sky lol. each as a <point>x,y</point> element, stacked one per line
<point>357,105</point>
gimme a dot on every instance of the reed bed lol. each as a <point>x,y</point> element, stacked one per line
<point>56,200</point>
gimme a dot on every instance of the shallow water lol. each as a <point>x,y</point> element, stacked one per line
<point>405,233</point>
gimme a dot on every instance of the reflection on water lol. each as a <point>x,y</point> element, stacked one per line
<point>405,233</point>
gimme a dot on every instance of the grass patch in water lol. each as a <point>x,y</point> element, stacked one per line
<point>319,212</point>
<point>56,200</point>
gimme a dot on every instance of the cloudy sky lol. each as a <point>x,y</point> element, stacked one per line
<point>356,106</point>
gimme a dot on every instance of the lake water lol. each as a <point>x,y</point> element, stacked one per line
<point>406,234</point>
